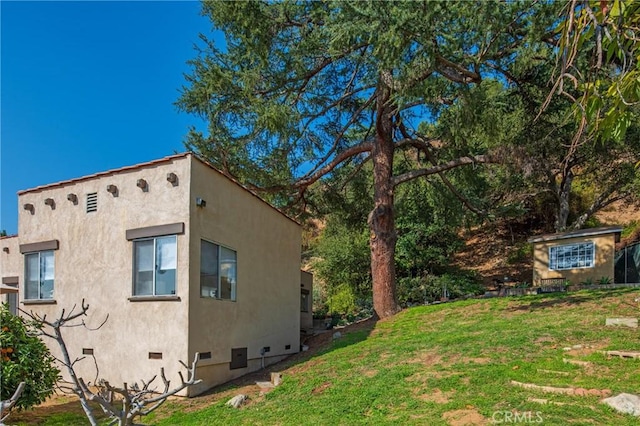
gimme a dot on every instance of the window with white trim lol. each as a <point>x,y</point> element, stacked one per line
<point>218,272</point>
<point>39,272</point>
<point>154,266</point>
<point>572,256</point>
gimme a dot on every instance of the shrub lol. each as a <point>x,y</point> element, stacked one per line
<point>345,307</point>
<point>520,253</point>
<point>604,280</point>
<point>25,358</point>
<point>320,308</point>
<point>630,229</point>
<point>342,300</point>
<point>429,288</point>
<point>415,290</point>
<point>459,284</point>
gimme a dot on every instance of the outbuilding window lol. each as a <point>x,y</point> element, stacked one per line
<point>572,256</point>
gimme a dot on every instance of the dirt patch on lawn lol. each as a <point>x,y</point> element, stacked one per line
<point>427,358</point>
<point>370,373</point>
<point>477,360</point>
<point>469,417</point>
<point>544,339</point>
<point>320,389</point>
<point>437,396</point>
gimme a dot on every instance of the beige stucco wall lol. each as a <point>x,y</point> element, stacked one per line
<point>10,261</point>
<point>10,264</point>
<point>306,283</point>
<point>266,312</point>
<point>94,263</point>
<point>604,260</point>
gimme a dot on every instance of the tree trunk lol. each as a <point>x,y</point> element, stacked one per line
<point>562,211</point>
<point>381,220</point>
<point>75,380</point>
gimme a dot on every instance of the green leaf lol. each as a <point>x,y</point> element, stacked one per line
<point>617,9</point>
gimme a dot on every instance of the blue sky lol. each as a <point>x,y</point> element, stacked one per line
<point>89,86</point>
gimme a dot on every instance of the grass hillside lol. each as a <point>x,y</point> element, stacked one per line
<point>448,364</point>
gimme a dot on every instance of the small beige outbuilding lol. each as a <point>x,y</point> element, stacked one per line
<point>576,256</point>
<point>180,257</point>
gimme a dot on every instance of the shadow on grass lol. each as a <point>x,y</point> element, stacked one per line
<point>319,344</point>
<point>564,299</point>
<point>64,413</point>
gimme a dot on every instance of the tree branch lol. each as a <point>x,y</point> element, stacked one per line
<point>455,72</point>
<point>414,174</point>
<point>424,146</point>
<point>340,134</point>
<point>7,405</point>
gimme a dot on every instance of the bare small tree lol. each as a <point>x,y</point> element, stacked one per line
<point>135,400</point>
<point>5,406</point>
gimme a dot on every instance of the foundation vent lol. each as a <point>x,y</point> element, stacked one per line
<point>205,355</point>
<point>92,202</point>
<point>238,358</point>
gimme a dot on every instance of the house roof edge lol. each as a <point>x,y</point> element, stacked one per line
<point>139,166</point>
<point>104,173</point>
<point>576,234</point>
<point>233,180</point>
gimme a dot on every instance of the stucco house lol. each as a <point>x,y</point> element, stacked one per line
<point>181,258</point>
<point>576,256</point>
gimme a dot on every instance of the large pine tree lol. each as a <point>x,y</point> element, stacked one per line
<point>299,89</point>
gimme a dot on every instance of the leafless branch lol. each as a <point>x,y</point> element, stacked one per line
<point>140,401</point>
<point>66,320</point>
<point>134,399</point>
<point>7,405</point>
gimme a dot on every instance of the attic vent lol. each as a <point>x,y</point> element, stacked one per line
<point>92,202</point>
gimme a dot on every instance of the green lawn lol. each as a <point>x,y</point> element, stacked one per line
<point>449,363</point>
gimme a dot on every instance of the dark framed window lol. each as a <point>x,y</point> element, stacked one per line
<point>218,271</point>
